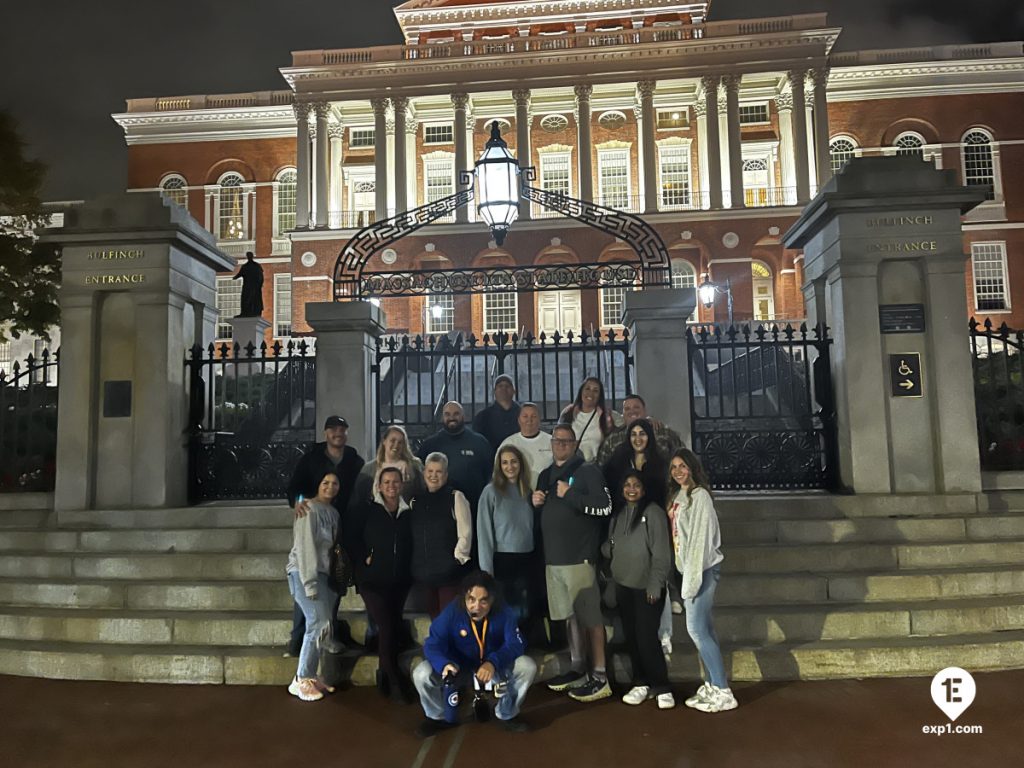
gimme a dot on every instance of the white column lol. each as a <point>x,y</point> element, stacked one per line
<point>796,83</point>
<point>337,176</point>
<point>701,110</point>
<point>723,154</point>
<point>584,142</point>
<point>380,156</point>
<point>389,126</point>
<point>812,162</point>
<point>645,91</point>
<point>302,166</point>
<point>640,160</point>
<point>411,129</point>
<point>714,147</point>
<point>819,76</point>
<point>523,151</point>
<point>784,101</point>
<point>460,103</point>
<point>400,105</point>
<point>323,141</point>
<point>732,98</point>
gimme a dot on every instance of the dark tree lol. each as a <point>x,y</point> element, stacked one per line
<point>29,271</point>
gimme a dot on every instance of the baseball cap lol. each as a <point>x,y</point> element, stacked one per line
<point>504,377</point>
<point>335,421</point>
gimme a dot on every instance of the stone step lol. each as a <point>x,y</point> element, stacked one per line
<point>184,540</point>
<point>810,506</point>
<point>235,515</point>
<point>23,517</point>
<point>262,666</point>
<point>867,530</point>
<point>140,566</point>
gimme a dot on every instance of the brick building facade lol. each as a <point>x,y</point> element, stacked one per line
<point>716,132</point>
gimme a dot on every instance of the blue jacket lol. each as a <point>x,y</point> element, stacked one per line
<point>452,640</point>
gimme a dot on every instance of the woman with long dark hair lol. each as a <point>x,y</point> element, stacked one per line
<point>640,452</point>
<point>589,417</point>
<point>640,557</point>
<point>697,541</point>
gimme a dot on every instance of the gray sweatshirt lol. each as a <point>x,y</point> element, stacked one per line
<point>313,537</point>
<point>504,524</point>
<point>642,556</point>
<point>698,539</point>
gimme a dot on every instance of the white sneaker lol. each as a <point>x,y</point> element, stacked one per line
<point>666,701</point>
<point>637,695</point>
<point>677,607</point>
<point>666,647</point>
<point>718,700</point>
<point>305,689</point>
<point>701,695</point>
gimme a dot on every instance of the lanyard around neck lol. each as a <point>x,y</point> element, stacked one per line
<point>480,639</point>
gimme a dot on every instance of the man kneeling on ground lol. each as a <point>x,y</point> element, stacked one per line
<point>474,637</point>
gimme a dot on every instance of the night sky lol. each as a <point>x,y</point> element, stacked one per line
<point>67,64</point>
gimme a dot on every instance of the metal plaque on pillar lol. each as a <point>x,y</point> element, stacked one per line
<point>905,374</point>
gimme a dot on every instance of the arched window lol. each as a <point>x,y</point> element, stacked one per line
<point>174,188</point>
<point>684,276</point>
<point>979,164</point>
<point>910,144</point>
<point>764,291</point>
<point>287,185</point>
<point>841,150</point>
<point>230,209</point>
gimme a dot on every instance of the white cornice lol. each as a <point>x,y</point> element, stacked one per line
<point>933,78</point>
<point>206,125</point>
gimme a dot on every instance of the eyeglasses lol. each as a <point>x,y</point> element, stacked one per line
<point>561,441</point>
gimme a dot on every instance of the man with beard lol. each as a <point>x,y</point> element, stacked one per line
<point>474,639</point>
<point>469,454</point>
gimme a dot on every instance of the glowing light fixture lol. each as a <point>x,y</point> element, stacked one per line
<point>497,176</point>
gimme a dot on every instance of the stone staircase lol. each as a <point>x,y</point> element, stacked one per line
<point>812,587</point>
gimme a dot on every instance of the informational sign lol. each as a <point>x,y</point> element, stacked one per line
<point>901,318</point>
<point>905,374</point>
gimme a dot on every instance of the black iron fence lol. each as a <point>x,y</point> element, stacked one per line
<point>252,415</point>
<point>415,377</point>
<point>28,424</point>
<point>762,406</point>
<point>998,394</point>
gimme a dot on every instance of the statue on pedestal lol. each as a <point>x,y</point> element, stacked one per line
<point>252,287</point>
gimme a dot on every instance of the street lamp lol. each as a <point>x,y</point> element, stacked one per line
<point>708,290</point>
<point>497,175</point>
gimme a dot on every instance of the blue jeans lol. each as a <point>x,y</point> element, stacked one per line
<point>428,685</point>
<point>702,629</point>
<point>317,613</point>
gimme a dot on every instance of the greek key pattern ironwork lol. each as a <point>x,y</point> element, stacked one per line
<point>225,470</point>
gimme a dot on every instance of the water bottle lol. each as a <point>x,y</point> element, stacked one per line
<point>450,691</point>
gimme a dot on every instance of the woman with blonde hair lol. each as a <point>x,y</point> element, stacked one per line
<point>393,451</point>
<point>505,528</point>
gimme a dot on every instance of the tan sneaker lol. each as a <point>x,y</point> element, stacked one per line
<point>323,686</point>
<point>304,688</point>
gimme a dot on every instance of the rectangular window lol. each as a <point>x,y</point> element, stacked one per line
<point>673,118</point>
<point>287,190</point>
<point>282,305</point>
<point>613,301</point>
<point>674,176</point>
<point>613,175</point>
<point>990,288</point>
<point>229,304</point>
<point>440,313</point>
<point>361,138</point>
<point>753,114</point>
<point>501,311</point>
<point>556,172</point>
<point>438,134</point>
<point>439,180</point>
<point>231,214</point>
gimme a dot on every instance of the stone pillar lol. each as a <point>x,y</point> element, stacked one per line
<point>645,91</point>
<point>302,169</point>
<point>701,190</point>
<point>380,156</point>
<point>732,101</point>
<point>248,330</point>
<point>657,328</point>
<point>337,175</point>
<point>723,155</point>
<point>787,158</point>
<point>523,150</point>
<point>460,103</point>
<point>412,127</point>
<point>389,170</point>
<point>714,175</point>
<point>887,231</point>
<point>323,168</point>
<point>803,184</point>
<point>346,336</point>
<point>400,105</point>
<point>139,281</point>
<point>584,142</point>
<point>819,76</point>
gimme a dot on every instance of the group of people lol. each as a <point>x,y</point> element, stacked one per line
<point>500,526</point>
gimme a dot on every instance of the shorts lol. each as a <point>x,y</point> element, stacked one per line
<point>572,591</point>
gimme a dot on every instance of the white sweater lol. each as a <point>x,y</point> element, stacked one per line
<point>536,450</point>
<point>697,538</point>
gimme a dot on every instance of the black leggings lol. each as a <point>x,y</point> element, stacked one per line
<point>384,603</point>
<point>640,621</point>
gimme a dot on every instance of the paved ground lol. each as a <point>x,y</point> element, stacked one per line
<point>874,723</point>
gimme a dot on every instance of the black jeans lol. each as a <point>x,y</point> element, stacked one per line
<point>512,571</point>
<point>385,603</point>
<point>640,621</point>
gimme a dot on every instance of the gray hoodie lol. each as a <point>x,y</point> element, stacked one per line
<point>641,556</point>
<point>313,537</point>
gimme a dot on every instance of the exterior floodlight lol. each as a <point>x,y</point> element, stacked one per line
<point>497,176</point>
<point>708,290</point>
<point>437,311</point>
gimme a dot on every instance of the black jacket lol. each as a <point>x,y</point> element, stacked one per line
<point>314,465</point>
<point>495,423</point>
<point>469,460</point>
<point>384,538</point>
<point>573,526</point>
<point>434,536</point>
